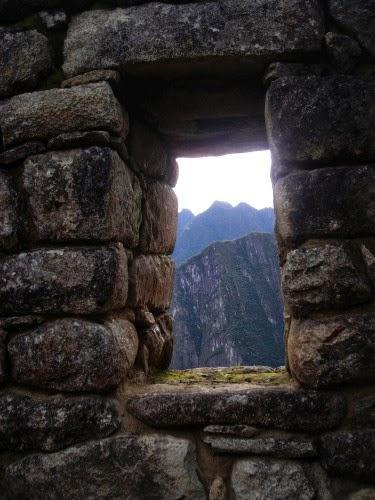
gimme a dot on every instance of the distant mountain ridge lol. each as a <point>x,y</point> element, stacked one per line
<point>219,223</point>
<point>227,305</point>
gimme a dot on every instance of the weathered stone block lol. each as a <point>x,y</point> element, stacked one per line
<point>53,20</point>
<point>244,431</point>
<point>326,276</point>
<point>9,214</point>
<point>54,423</point>
<point>159,219</point>
<point>42,115</point>
<point>21,152</point>
<point>363,412</point>
<point>349,454</point>
<point>99,75</point>
<point>356,17</point>
<point>328,119</point>
<point>3,351</point>
<point>158,340</point>
<point>343,51</point>
<point>326,202</point>
<point>83,194</point>
<point>285,69</point>
<point>277,447</point>
<point>165,465</point>
<point>257,31</point>
<point>24,58</point>
<point>270,479</point>
<point>281,408</point>
<point>151,281</point>
<point>74,355</point>
<point>80,280</point>
<point>85,139</point>
<point>148,151</point>
<point>330,351</point>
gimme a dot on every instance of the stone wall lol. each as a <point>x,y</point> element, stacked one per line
<point>96,101</point>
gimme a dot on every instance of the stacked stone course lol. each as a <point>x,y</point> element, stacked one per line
<point>96,102</point>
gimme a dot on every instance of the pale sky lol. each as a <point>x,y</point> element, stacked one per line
<point>234,178</point>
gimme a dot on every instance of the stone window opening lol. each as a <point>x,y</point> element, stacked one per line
<point>96,104</point>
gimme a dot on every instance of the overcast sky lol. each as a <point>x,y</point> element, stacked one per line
<point>233,178</point>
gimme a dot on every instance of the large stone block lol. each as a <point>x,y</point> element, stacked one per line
<point>159,219</point>
<point>256,31</point>
<point>270,479</point>
<point>127,466</point>
<point>325,202</point>
<point>24,58</point>
<point>79,280</point>
<point>272,446</point>
<point>3,355</point>
<point>326,120</point>
<point>324,277</point>
<point>356,17</point>
<point>42,115</point>
<point>148,151</point>
<point>158,340</point>
<point>151,282</point>
<point>331,351</point>
<point>349,454</point>
<point>9,214</point>
<point>54,423</point>
<point>83,194</point>
<point>275,408</point>
<point>74,355</point>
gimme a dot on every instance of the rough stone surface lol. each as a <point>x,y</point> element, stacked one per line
<point>343,51</point>
<point>298,133</point>
<point>79,280</point>
<point>128,466</point>
<point>21,152</point>
<point>24,58</point>
<point>255,30</point>
<point>83,194</point>
<point>9,214</point>
<point>363,412</point>
<point>151,282</point>
<point>270,480</point>
<point>100,75</point>
<point>232,430</point>
<point>356,17</point>
<point>3,351</point>
<point>284,69</point>
<point>159,219</point>
<point>349,454</point>
<point>45,114</point>
<point>277,447</point>
<point>71,140</point>
<point>54,423</point>
<point>158,339</point>
<point>74,355</point>
<point>53,20</point>
<point>327,276</point>
<point>302,215</point>
<point>365,494</point>
<point>147,150</point>
<point>218,490</point>
<point>325,352</point>
<point>286,409</point>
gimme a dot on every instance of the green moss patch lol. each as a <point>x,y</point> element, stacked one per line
<point>234,375</point>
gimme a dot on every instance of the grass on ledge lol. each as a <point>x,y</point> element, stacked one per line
<point>234,375</point>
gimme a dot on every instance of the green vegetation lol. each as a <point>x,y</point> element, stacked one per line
<point>234,375</point>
